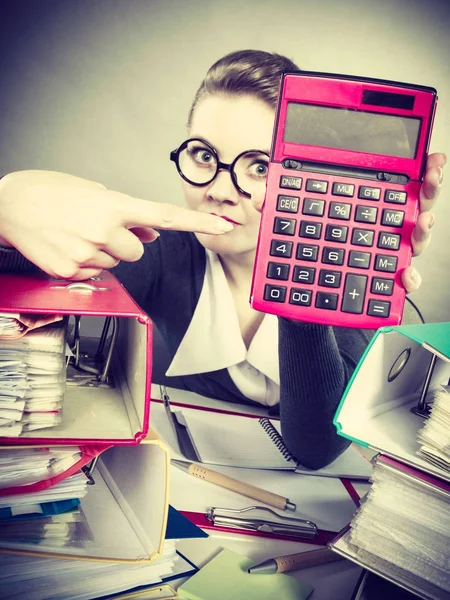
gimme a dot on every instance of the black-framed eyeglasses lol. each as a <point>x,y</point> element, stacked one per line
<point>198,163</point>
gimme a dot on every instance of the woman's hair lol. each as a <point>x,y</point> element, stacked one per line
<point>245,72</point>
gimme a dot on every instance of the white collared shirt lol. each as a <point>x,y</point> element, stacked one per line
<point>213,341</point>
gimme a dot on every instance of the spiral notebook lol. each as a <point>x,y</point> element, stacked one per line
<point>253,443</point>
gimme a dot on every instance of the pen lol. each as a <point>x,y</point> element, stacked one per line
<point>234,485</point>
<point>293,562</point>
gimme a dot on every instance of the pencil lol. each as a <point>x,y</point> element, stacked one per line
<point>235,485</point>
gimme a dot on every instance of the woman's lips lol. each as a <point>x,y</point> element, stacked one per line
<point>226,219</point>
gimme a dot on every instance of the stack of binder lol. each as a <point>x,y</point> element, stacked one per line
<point>397,403</point>
<point>69,500</point>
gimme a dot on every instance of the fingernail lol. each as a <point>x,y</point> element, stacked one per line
<point>431,221</point>
<point>223,226</point>
<point>414,276</point>
<point>441,175</point>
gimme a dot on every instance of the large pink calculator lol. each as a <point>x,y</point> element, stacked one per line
<point>348,156</point>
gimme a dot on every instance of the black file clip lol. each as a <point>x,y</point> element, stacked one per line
<point>92,370</point>
<point>423,408</point>
<point>186,445</point>
<point>89,469</point>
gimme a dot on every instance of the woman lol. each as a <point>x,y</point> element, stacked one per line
<point>196,286</point>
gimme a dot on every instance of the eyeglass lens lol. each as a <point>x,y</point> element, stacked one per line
<point>199,164</point>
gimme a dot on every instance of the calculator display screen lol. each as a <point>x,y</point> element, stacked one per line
<point>350,129</point>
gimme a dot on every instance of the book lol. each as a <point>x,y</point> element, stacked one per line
<point>243,441</point>
<point>225,577</point>
<point>401,530</point>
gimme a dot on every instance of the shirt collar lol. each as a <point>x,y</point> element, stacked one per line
<point>213,340</point>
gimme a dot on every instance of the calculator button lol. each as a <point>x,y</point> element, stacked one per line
<point>369,193</point>
<point>309,229</point>
<point>278,271</point>
<point>339,210</point>
<point>389,241</point>
<point>288,204</point>
<point>354,292</point>
<point>326,300</point>
<point>284,226</point>
<point>300,297</point>
<point>359,260</point>
<point>362,237</point>
<point>316,186</point>
<point>382,286</point>
<point>274,293</point>
<point>280,248</point>
<point>343,189</point>
<point>313,207</point>
<point>333,256</point>
<point>366,214</point>
<point>304,274</point>
<point>336,233</point>
<point>291,183</point>
<point>395,197</point>
<point>384,262</point>
<point>307,252</point>
<point>379,308</point>
<point>330,278</point>
<point>392,218</point>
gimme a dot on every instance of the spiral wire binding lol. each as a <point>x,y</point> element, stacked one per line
<point>276,438</point>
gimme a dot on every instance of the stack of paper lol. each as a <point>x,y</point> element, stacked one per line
<point>434,436</point>
<point>32,375</point>
<point>402,530</point>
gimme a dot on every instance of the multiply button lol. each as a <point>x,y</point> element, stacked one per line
<point>354,292</point>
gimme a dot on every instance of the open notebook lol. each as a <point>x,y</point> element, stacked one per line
<point>241,441</point>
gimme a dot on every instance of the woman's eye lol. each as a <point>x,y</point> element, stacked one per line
<point>202,155</point>
<point>259,169</point>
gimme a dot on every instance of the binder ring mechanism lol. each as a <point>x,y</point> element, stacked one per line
<point>237,518</point>
<point>92,371</point>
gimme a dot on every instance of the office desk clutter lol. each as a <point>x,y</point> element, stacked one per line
<point>401,531</point>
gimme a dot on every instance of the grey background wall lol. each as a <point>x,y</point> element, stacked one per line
<point>101,88</point>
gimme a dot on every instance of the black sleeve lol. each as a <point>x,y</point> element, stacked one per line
<point>316,363</point>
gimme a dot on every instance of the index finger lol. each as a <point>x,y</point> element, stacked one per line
<point>429,191</point>
<point>161,215</point>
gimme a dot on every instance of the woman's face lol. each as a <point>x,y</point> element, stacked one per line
<point>231,125</point>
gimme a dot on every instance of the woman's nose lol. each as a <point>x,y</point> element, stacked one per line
<point>222,188</point>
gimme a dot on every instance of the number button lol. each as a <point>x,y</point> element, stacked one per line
<point>330,278</point>
<point>338,210</point>
<point>307,252</point>
<point>284,226</point>
<point>336,233</point>
<point>308,229</point>
<point>278,271</point>
<point>333,256</point>
<point>287,204</point>
<point>300,297</point>
<point>279,248</point>
<point>304,274</point>
<point>313,207</point>
<point>274,293</point>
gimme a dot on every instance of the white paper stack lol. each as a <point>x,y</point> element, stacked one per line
<point>32,377</point>
<point>434,436</point>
